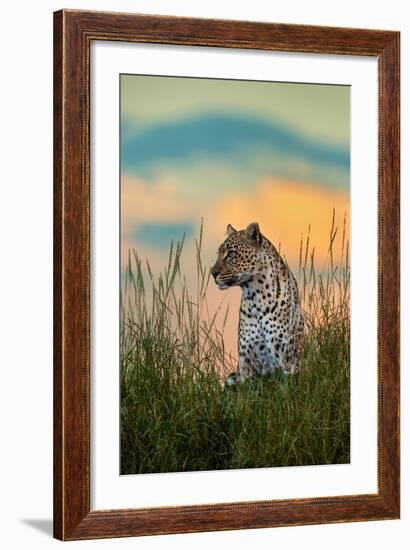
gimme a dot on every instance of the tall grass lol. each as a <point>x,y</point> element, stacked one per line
<point>175,415</point>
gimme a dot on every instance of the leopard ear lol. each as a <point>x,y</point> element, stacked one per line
<point>230,230</point>
<point>253,233</point>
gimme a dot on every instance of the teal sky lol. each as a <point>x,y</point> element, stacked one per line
<point>318,111</point>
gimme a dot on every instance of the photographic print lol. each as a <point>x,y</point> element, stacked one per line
<point>235,274</point>
<point>213,369</point>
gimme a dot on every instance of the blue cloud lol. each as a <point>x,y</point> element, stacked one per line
<point>232,137</point>
<point>160,235</point>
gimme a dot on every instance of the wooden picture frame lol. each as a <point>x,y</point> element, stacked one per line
<point>74,32</point>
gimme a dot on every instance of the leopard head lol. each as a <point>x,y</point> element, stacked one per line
<point>238,258</point>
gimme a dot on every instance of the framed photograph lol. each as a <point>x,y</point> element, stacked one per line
<point>226,275</point>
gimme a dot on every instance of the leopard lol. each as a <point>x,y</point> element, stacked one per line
<point>271,321</point>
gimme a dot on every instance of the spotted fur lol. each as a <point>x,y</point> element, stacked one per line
<point>271,322</point>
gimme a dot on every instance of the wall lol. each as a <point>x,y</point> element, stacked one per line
<point>26,268</point>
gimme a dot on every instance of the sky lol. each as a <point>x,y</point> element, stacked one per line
<point>228,151</point>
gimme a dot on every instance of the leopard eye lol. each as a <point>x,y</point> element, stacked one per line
<point>230,254</point>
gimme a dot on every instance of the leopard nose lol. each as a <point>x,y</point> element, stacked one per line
<point>215,272</point>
